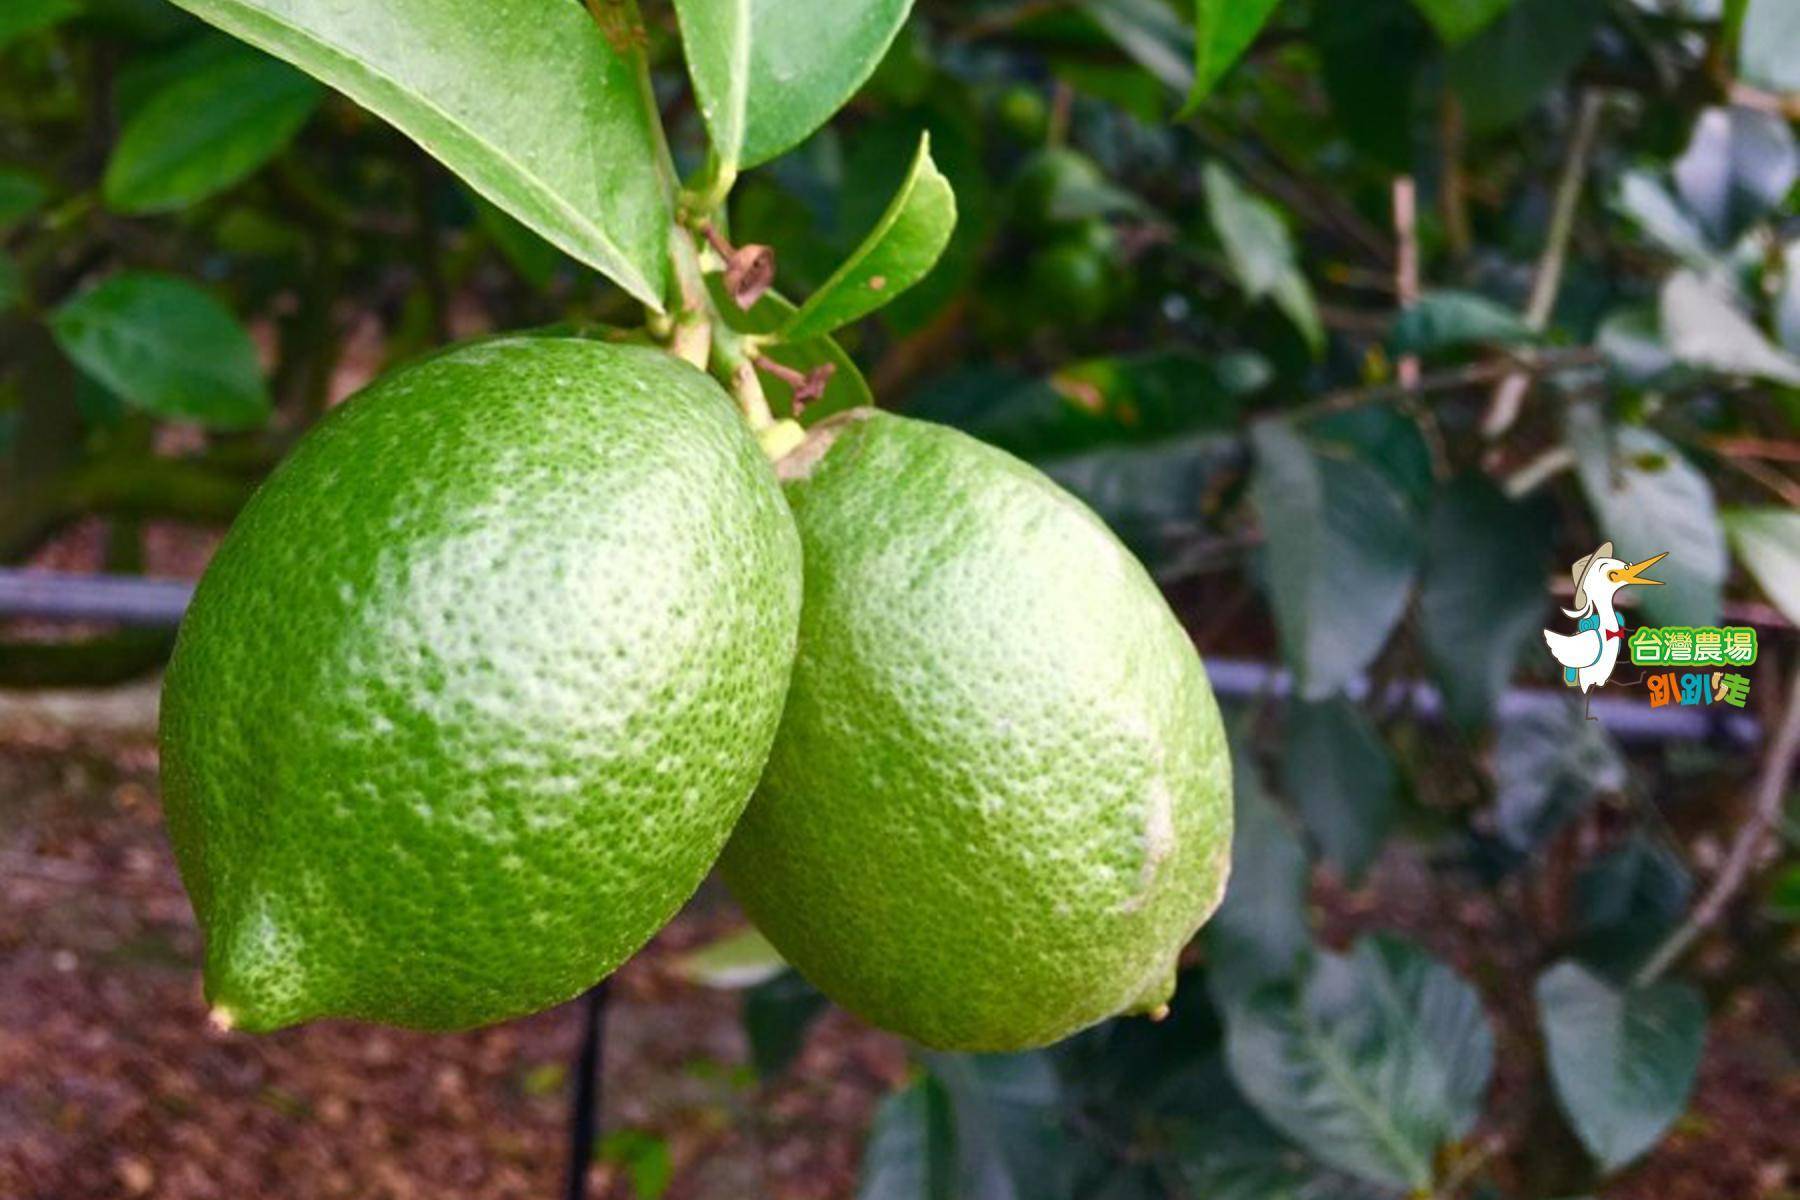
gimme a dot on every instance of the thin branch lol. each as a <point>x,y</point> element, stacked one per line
<point>1450,381</point>
<point>1509,397</point>
<point>1746,847</point>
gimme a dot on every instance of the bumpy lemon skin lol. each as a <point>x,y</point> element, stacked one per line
<point>999,803</point>
<point>476,687</point>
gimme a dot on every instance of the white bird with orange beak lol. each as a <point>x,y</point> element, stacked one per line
<point>1589,655</point>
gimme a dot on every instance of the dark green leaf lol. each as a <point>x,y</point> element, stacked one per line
<point>1482,601</point>
<point>1261,251</point>
<point>1224,29</point>
<point>1629,899</point>
<point>1152,495</point>
<point>21,194</point>
<point>1341,548</point>
<point>1154,36</point>
<point>1769,45</point>
<point>1379,1059</point>
<point>207,131</point>
<point>1459,20</point>
<point>1009,1137</point>
<point>645,1159</point>
<point>1784,896</point>
<point>1739,165</point>
<point>1548,763</point>
<point>12,283</point>
<point>1452,320</point>
<point>1649,499</point>
<point>1335,767</point>
<point>769,72</point>
<point>911,1153</point>
<point>1374,107</point>
<point>1260,934</point>
<point>20,17</point>
<point>167,347</point>
<point>777,1015</point>
<point>1501,74</point>
<point>1767,541</point>
<point>902,248</point>
<point>529,101</point>
<point>1623,1060</point>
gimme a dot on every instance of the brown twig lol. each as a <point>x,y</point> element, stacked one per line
<point>1509,397</point>
<point>807,386</point>
<point>1450,381</point>
<point>1740,860</point>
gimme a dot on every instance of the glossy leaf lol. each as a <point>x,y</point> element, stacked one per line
<point>206,131</point>
<point>1502,73</point>
<point>1548,763</point>
<point>1623,1060</point>
<point>1482,602</point>
<point>739,960</point>
<point>911,1152</point>
<point>1739,165</point>
<point>1769,45</point>
<point>529,101</point>
<point>1767,541</point>
<point>1448,320</point>
<point>1377,1060</point>
<point>1224,30</point>
<point>777,1016</point>
<point>1704,328</point>
<point>167,347</point>
<point>769,72</point>
<point>1261,251</point>
<point>1459,20</point>
<point>1260,934</point>
<point>1335,767</point>
<point>1340,551</point>
<point>897,253</point>
<point>1649,499</point>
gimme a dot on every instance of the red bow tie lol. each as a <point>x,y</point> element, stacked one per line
<point>1614,633</point>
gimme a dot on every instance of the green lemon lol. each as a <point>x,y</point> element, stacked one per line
<point>1000,800</point>
<point>1052,188</point>
<point>475,688</point>
<point>1074,279</point>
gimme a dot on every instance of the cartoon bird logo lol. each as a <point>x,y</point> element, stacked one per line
<point>1589,654</point>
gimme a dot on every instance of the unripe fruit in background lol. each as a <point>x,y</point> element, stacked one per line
<point>476,687</point>
<point>1000,801</point>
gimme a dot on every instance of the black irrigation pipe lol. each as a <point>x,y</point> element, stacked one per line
<point>159,603</point>
<point>590,1067</point>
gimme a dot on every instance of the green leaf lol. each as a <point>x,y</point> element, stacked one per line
<point>1769,45</point>
<point>21,194</point>
<point>12,283</point>
<point>646,1160</point>
<point>1649,499</point>
<point>904,245</point>
<point>1704,328</point>
<point>527,100</point>
<point>1260,934</point>
<point>1502,73</point>
<point>846,387</point>
<point>1448,320</point>
<point>1629,900</point>
<point>1548,763</point>
<point>531,256</point>
<point>1482,601</point>
<point>1631,339</point>
<point>1767,541</point>
<point>1645,200</point>
<point>739,960</point>
<point>1151,494</point>
<point>911,1153</point>
<point>777,1015</point>
<point>1375,108</point>
<point>1009,1135</point>
<point>1623,1061</point>
<point>1784,896</point>
<point>1153,35</point>
<point>1335,767</point>
<point>1376,1061</point>
<point>1459,20</point>
<point>769,72</point>
<point>1341,548</point>
<point>207,131</point>
<point>1739,165</point>
<point>21,17</point>
<point>167,347</point>
<point>1261,251</point>
<point>1224,30</point>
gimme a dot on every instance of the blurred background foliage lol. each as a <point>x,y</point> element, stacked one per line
<point>1359,322</point>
